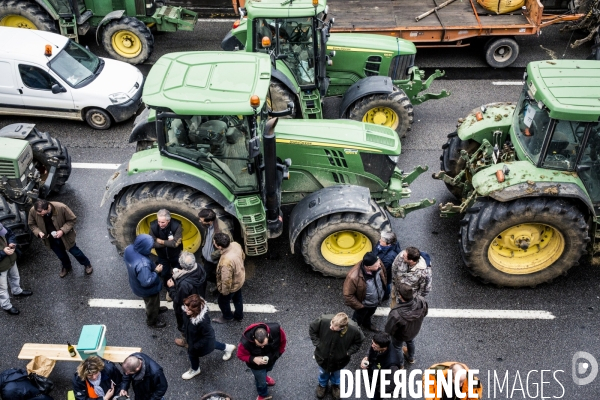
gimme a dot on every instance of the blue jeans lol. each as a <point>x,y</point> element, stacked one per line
<point>225,307</point>
<point>324,377</point>
<point>9,277</point>
<point>410,345</point>
<point>195,360</point>
<point>260,377</point>
<point>59,249</point>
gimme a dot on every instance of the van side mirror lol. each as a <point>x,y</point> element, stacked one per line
<point>56,88</point>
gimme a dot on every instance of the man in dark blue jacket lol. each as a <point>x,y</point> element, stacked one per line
<point>145,376</point>
<point>144,277</point>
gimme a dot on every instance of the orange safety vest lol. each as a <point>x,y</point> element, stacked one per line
<point>90,390</point>
<point>445,367</point>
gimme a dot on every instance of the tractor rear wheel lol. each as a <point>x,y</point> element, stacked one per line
<point>128,39</point>
<point>15,219</point>
<point>278,98</point>
<point>48,151</point>
<point>524,242</point>
<point>393,110</point>
<point>134,209</point>
<point>451,163</point>
<point>333,244</point>
<point>25,14</point>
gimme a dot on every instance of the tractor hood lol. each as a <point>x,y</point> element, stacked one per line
<point>369,43</point>
<point>184,82</point>
<point>351,136</point>
<point>282,9</point>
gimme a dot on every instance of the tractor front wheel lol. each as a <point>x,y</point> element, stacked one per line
<point>25,14</point>
<point>333,244</point>
<point>524,242</point>
<point>128,39</point>
<point>393,110</point>
<point>451,163</point>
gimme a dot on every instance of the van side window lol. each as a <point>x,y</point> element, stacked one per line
<point>36,78</point>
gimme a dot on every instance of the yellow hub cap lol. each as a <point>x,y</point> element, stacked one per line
<point>526,248</point>
<point>17,21</point>
<point>191,235</point>
<point>382,116</point>
<point>345,248</point>
<point>126,44</point>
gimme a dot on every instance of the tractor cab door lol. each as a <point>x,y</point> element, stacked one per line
<point>588,168</point>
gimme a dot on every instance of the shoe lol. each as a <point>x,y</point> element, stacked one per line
<point>181,342</point>
<point>221,320</point>
<point>410,360</point>
<point>162,309</point>
<point>168,298</point>
<point>229,348</point>
<point>267,397</point>
<point>13,311</point>
<point>158,324</point>
<point>321,391</point>
<point>89,270</point>
<point>191,373</point>
<point>270,381</point>
<point>64,272</point>
<point>335,391</point>
<point>24,293</point>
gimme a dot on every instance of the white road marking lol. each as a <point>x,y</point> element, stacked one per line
<point>475,313</point>
<point>84,165</point>
<point>508,83</point>
<point>117,303</point>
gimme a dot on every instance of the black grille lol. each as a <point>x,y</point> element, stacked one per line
<point>373,65</point>
<point>400,65</point>
<point>379,165</point>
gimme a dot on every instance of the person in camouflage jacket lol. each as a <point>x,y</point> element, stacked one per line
<point>411,268</point>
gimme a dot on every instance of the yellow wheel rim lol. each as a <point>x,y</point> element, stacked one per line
<point>526,248</point>
<point>191,235</point>
<point>126,44</point>
<point>382,116</point>
<point>345,248</point>
<point>17,21</point>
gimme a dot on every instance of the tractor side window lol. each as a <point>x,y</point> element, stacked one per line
<point>35,78</point>
<point>564,145</point>
<point>532,123</point>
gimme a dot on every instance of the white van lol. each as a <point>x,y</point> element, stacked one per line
<point>47,75</point>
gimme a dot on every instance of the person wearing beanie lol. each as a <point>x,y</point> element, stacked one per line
<point>364,289</point>
<point>9,274</point>
<point>404,322</point>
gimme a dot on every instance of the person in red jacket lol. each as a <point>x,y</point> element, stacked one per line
<point>260,346</point>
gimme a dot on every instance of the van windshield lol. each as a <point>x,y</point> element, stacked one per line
<point>75,65</point>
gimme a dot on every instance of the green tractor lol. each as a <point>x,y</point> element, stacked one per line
<point>33,165</point>
<point>218,146</point>
<point>374,74</point>
<point>123,27</point>
<point>528,177</point>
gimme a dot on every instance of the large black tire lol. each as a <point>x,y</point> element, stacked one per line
<point>278,98</point>
<point>15,219</point>
<point>502,52</point>
<point>141,202</point>
<point>128,39</point>
<point>48,152</point>
<point>394,110</point>
<point>369,224</point>
<point>451,163</point>
<point>25,14</point>
<point>493,253</point>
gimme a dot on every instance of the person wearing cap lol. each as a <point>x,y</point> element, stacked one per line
<point>411,267</point>
<point>9,274</point>
<point>404,322</point>
<point>364,289</point>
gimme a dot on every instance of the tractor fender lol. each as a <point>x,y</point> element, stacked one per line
<point>144,128</point>
<point>45,5</point>
<point>364,87</point>
<point>544,189</point>
<point>230,42</point>
<point>281,77</point>
<point>117,14</point>
<point>16,131</point>
<point>329,200</point>
<point>121,180</point>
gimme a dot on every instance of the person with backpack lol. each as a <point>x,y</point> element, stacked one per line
<point>411,267</point>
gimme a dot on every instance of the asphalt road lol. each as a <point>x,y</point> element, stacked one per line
<point>59,307</point>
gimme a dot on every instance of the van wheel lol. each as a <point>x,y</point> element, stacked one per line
<point>25,14</point>
<point>98,118</point>
<point>128,39</point>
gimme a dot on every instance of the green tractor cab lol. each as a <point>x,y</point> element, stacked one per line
<point>374,74</point>
<point>123,28</point>
<point>527,176</point>
<point>209,141</point>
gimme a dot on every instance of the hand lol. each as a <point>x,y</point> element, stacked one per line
<point>123,393</point>
<point>59,234</point>
<point>9,250</point>
<point>158,268</point>
<point>41,235</point>
<point>170,283</point>
<point>259,361</point>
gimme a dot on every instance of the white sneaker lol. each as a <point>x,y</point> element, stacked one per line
<point>190,373</point>
<point>229,348</point>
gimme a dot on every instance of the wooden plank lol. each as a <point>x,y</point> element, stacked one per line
<point>59,352</point>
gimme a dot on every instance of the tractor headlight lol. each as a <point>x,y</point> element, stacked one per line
<point>394,159</point>
<point>118,98</point>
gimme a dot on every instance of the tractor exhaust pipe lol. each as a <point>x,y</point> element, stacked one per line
<point>273,178</point>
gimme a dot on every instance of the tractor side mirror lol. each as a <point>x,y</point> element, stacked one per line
<point>56,88</point>
<point>284,113</point>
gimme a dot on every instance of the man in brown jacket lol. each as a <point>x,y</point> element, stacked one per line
<point>54,222</point>
<point>230,278</point>
<point>364,288</point>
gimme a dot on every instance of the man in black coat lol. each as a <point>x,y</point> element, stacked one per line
<point>187,280</point>
<point>146,377</point>
<point>168,242</point>
<point>382,356</point>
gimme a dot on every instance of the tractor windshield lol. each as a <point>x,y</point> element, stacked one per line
<point>531,125</point>
<point>219,145</point>
<point>76,65</point>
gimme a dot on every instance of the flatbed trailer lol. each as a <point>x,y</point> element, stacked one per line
<point>450,26</point>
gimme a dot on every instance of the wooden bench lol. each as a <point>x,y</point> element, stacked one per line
<point>59,352</point>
